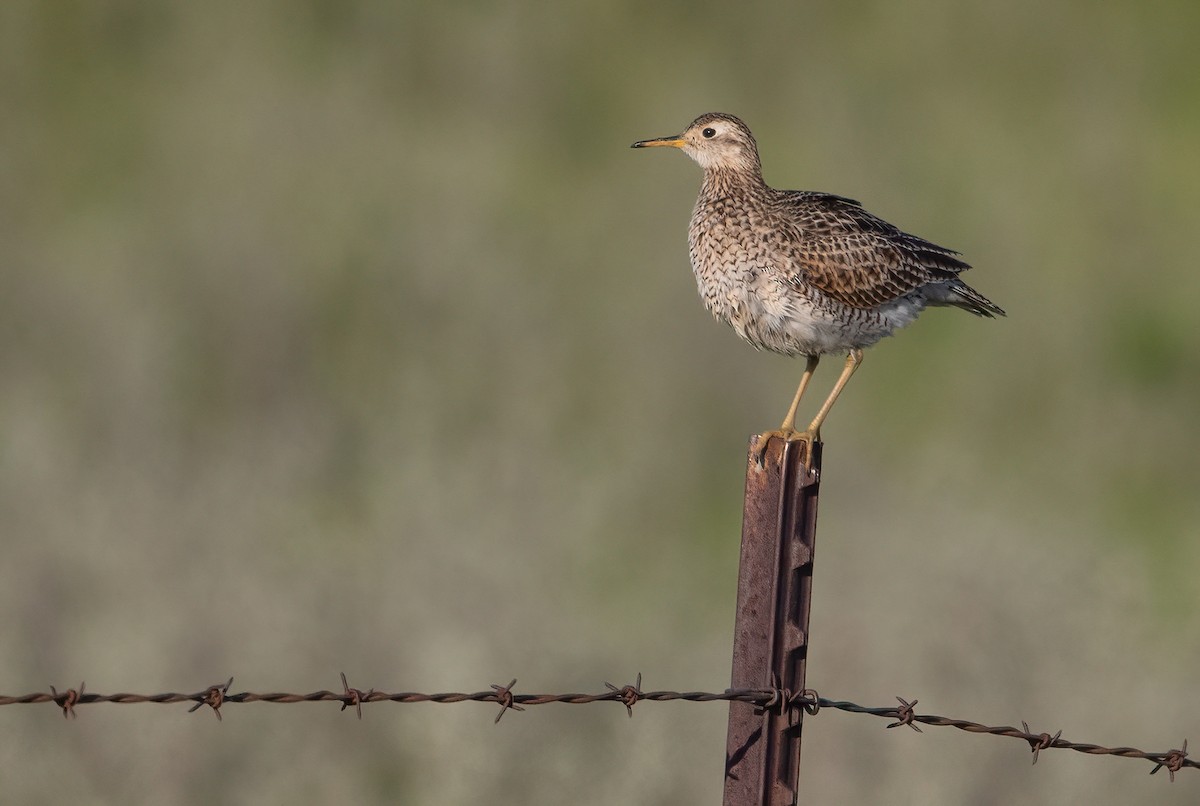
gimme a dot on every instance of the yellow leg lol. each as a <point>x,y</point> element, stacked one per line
<point>852,362</point>
<point>789,422</point>
<point>787,431</point>
<point>812,434</point>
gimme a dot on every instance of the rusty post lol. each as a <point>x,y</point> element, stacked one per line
<point>770,641</point>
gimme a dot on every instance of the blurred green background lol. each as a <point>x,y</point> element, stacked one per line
<point>353,337</point>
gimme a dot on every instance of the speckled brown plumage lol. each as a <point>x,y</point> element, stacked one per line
<point>800,272</point>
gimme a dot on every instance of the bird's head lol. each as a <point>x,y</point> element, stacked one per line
<point>716,142</point>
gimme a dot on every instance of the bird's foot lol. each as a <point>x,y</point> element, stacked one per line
<point>788,435</point>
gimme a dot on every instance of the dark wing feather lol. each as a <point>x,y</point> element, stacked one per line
<point>854,257</point>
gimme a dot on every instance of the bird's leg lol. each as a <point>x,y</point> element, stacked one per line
<point>789,422</point>
<point>787,431</point>
<point>813,432</point>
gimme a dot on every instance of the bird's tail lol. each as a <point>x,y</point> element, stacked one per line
<point>960,295</point>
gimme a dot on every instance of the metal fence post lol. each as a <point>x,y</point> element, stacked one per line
<point>770,642</point>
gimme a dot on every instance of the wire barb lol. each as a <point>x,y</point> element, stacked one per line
<point>66,701</point>
<point>627,695</point>
<point>1039,741</point>
<point>213,696</point>
<point>1173,761</point>
<point>353,696</point>
<point>504,696</point>
<point>905,715</point>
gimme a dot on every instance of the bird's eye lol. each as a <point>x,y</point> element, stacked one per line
<point>710,132</point>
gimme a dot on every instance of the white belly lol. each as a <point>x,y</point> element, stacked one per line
<point>773,315</point>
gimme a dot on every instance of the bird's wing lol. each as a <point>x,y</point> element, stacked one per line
<point>855,257</point>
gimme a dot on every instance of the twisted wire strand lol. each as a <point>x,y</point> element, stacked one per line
<point>769,699</point>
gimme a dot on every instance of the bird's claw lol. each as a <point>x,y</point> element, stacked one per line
<point>788,435</point>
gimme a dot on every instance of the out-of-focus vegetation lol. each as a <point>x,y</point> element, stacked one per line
<point>352,337</point>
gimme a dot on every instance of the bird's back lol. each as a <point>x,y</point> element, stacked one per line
<point>803,272</point>
<point>832,245</point>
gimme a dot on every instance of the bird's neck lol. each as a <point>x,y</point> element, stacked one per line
<point>723,181</point>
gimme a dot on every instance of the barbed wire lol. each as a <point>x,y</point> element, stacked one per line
<point>779,700</point>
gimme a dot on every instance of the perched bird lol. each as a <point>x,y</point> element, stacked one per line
<point>800,272</point>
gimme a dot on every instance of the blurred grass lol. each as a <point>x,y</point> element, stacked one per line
<point>352,337</point>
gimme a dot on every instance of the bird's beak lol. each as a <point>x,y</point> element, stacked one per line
<point>674,142</point>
